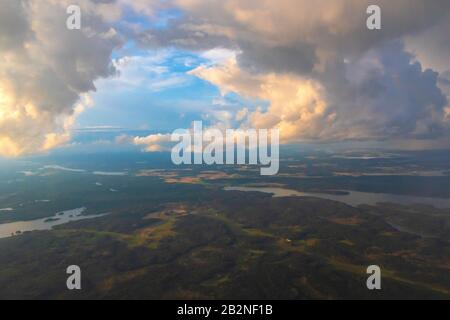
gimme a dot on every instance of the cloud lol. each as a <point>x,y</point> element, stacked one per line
<point>323,73</point>
<point>14,25</point>
<point>382,95</point>
<point>387,94</point>
<point>46,70</point>
<point>293,35</point>
<point>295,103</point>
<point>153,142</point>
<point>150,71</point>
<point>432,48</point>
<point>147,8</point>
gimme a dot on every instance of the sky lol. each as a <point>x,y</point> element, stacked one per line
<point>309,68</point>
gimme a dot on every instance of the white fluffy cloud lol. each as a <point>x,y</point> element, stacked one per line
<point>153,142</point>
<point>297,106</point>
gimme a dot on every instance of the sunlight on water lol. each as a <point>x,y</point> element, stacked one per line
<point>10,229</point>
<point>352,198</point>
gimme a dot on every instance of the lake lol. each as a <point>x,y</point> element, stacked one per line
<point>353,198</point>
<point>8,229</point>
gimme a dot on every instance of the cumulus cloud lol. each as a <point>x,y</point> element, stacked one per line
<point>432,48</point>
<point>384,94</point>
<point>294,35</point>
<point>296,104</point>
<point>46,70</point>
<point>154,142</point>
<point>323,73</point>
